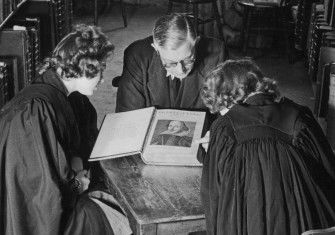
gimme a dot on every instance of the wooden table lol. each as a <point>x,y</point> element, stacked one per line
<point>157,199</point>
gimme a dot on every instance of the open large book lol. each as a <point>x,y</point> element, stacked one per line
<point>161,136</point>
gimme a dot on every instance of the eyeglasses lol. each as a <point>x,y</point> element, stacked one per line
<point>187,62</point>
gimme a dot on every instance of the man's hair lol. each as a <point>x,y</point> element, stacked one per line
<point>171,31</point>
<point>80,53</point>
<point>232,82</point>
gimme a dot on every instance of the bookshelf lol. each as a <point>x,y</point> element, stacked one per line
<point>28,34</point>
<point>8,8</point>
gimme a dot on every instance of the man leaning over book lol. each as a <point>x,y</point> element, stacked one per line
<point>166,70</point>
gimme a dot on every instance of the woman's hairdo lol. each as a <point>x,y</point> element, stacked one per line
<point>232,82</point>
<point>171,31</point>
<point>80,53</point>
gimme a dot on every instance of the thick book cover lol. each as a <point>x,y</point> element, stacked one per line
<point>15,43</point>
<point>331,109</point>
<point>13,81</point>
<point>4,72</point>
<point>161,136</point>
<point>33,26</point>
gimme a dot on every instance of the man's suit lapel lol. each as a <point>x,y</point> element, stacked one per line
<point>158,86</point>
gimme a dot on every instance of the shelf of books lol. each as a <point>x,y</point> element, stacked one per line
<point>8,9</point>
<point>27,38</point>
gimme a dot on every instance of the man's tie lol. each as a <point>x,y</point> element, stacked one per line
<point>174,90</point>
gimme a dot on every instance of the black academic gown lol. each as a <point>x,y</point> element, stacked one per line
<point>269,170</point>
<point>39,135</point>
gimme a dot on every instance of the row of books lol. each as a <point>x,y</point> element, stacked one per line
<point>8,78</point>
<point>63,16</point>
<point>22,40</point>
<point>303,23</point>
<point>321,33</point>
<point>28,38</point>
<point>319,47</point>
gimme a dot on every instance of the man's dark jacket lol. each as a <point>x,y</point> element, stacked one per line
<point>144,83</point>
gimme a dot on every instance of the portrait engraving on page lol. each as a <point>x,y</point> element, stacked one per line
<point>173,133</point>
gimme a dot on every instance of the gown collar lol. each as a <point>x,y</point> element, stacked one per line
<point>260,99</point>
<point>50,77</point>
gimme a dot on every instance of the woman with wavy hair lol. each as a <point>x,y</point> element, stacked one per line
<point>269,168</point>
<point>41,166</point>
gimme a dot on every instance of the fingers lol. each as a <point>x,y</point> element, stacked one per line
<point>85,182</point>
<point>203,140</point>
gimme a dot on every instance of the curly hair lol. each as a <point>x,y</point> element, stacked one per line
<point>232,81</point>
<point>81,53</point>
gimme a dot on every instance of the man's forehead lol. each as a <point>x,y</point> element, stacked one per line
<point>182,52</point>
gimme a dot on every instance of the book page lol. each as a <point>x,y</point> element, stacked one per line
<point>171,140</point>
<point>122,134</point>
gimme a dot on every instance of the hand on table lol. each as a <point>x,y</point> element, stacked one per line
<point>83,177</point>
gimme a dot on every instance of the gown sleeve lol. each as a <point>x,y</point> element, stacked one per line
<point>314,144</point>
<point>216,165</point>
<point>87,218</point>
<point>86,118</point>
<point>319,162</point>
<point>130,94</point>
<point>35,170</point>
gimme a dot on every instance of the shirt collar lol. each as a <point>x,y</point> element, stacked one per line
<point>169,75</point>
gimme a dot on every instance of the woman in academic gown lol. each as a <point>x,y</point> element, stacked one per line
<point>41,169</point>
<point>269,168</point>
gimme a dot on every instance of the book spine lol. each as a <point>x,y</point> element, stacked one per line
<point>60,19</point>
<point>36,50</point>
<point>63,17</point>
<point>29,58</point>
<point>1,11</point>
<point>3,83</point>
<point>70,15</point>
<point>26,61</point>
<point>331,112</point>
